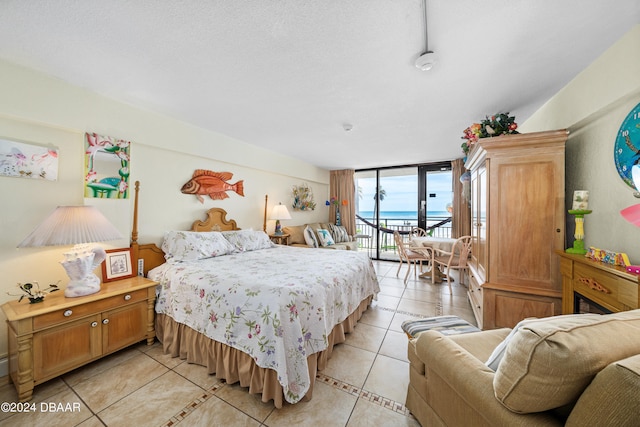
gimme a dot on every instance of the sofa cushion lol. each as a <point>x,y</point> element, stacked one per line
<point>614,392</point>
<point>549,364</point>
<point>296,234</point>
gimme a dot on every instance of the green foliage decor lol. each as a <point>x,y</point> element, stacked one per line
<point>496,125</point>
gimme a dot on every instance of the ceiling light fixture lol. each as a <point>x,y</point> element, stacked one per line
<point>426,61</point>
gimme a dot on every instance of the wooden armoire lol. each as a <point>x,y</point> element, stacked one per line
<point>517,224</point>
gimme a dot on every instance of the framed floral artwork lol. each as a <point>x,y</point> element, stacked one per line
<point>117,265</point>
<point>24,160</point>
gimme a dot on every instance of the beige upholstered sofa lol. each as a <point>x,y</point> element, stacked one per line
<point>577,370</point>
<point>341,239</point>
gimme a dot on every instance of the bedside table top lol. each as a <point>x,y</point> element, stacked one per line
<point>15,310</point>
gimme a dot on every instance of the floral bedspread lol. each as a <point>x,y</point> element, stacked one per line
<point>277,305</point>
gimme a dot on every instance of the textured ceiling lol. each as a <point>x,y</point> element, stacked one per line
<point>287,75</point>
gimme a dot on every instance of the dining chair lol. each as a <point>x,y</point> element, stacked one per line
<point>418,232</point>
<point>411,256</point>
<point>457,259</point>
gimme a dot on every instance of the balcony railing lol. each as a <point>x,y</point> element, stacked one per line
<point>367,232</point>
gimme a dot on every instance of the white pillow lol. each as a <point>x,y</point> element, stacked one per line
<point>248,240</point>
<point>181,246</point>
<point>325,237</point>
<point>310,237</point>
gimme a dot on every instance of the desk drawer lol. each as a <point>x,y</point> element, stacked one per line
<point>81,310</point>
<point>604,288</point>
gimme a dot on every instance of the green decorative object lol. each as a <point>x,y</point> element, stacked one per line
<point>578,243</point>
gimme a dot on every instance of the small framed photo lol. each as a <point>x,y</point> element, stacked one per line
<point>117,265</point>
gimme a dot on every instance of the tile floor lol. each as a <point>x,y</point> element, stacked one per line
<point>364,384</point>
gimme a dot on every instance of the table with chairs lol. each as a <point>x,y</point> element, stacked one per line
<point>442,253</point>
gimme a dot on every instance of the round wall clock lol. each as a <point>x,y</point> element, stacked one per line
<point>627,148</point>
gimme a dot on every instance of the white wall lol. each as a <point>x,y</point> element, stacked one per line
<point>39,109</point>
<point>592,107</point>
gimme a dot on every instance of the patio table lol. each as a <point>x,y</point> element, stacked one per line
<point>441,243</point>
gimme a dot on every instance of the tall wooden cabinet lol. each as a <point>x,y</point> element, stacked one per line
<point>517,224</point>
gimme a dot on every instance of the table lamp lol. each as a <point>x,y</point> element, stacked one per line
<point>76,225</point>
<point>279,212</point>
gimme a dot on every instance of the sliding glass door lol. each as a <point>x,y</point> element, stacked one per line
<point>398,199</point>
<point>436,199</point>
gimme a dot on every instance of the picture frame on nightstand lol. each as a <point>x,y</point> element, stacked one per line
<point>117,265</point>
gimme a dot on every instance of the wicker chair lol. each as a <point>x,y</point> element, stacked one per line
<point>456,259</point>
<point>411,256</point>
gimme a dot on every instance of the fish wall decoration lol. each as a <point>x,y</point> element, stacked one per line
<point>212,184</point>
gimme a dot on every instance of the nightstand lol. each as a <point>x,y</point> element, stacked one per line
<point>50,338</point>
<point>277,238</point>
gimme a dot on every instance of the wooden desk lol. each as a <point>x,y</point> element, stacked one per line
<point>604,284</point>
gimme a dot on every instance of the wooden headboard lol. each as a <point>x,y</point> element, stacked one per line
<point>153,256</point>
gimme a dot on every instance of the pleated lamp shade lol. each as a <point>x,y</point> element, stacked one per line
<point>71,225</point>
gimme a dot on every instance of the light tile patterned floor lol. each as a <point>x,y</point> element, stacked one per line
<point>364,383</point>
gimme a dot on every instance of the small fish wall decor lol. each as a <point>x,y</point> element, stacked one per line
<point>212,184</point>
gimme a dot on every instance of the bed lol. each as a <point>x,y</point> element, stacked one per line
<point>262,315</point>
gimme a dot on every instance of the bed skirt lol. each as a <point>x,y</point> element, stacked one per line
<point>234,366</point>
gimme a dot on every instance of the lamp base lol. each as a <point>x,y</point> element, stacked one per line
<point>79,266</point>
<point>87,286</point>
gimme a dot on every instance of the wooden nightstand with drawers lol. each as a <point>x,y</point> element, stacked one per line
<point>50,338</point>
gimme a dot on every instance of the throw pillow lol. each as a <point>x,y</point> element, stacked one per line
<point>325,237</point>
<point>548,363</point>
<point>339,233</point>
<point>310,237</point>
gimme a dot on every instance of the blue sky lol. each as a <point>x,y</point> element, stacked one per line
<point>401,192</point>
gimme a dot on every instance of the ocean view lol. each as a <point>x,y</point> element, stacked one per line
<point>402,217</point>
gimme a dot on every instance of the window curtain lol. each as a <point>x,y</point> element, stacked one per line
<point>342,187</point>
<point>461,218</point>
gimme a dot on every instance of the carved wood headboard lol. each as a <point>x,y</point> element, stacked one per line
<point>153,256</point>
